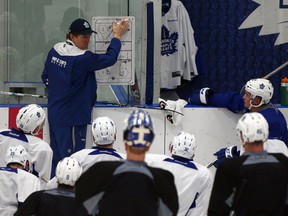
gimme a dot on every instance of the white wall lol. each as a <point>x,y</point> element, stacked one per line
<point>213,128</point>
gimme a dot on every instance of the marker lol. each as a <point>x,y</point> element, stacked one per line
<point>121,20</point>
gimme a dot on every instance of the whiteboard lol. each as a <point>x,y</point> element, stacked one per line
<point>123,72</point>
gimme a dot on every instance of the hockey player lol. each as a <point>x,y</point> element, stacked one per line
<point>255,96</point>
<point>29,120</point>
<point>69,74</point>
<point>15,182</point>
<point>104,135</point>
<point>57,202</point>
<point>271,146</point>
<point>193,181</point>
<point>130,187</point>
<point>254,183</point>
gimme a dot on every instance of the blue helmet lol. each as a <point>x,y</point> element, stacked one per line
<point>139,129</point>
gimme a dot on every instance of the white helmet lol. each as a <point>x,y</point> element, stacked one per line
<point>252,127</point>
<point>17,154</point>
<point>68,171</point>
<point>29,118</point>
<point>103,130</point>
<point>260,87</point>
<point>183,145</point>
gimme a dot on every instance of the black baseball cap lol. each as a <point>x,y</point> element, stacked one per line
<point>80,26</point>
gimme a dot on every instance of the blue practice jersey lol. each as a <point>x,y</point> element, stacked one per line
<point>274,117</point>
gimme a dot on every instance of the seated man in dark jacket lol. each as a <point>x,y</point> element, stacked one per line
<point>254,183</point>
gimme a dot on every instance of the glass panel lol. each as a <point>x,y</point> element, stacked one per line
<point>4,18</point>
<point>29,28</point>
<point>28,37</point>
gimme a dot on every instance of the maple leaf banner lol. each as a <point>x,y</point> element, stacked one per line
<point>237,41</point>
<point>272,17</point>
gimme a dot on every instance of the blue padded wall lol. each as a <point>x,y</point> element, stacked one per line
<point>227,56</point>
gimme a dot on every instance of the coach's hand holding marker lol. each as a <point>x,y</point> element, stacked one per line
<point>123,19</point>
<point>120,28</point>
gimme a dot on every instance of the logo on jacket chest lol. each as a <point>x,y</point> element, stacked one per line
<point>58,62</point>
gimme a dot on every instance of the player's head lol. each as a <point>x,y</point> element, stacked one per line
<point>261,88</point>
<point>183,145</point>
<point>31,119</point>
<point>17,155</point>
<point>139,129</point>
<point>252,127</point>
<point>104,131</point>
<point>68,171</point>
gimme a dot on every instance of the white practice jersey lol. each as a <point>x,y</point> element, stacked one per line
<point>40,152</point>
<point>87,157</point>
<point>273,146</point>
<point>15,185</point>
<point>178,48</point>
<point>193,182</point>
<point>276,146</point>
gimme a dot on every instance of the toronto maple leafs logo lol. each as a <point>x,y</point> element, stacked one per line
<point>168,42</point>
<point>261,86</point>
<point>86,25</point>
<point>272,15</point>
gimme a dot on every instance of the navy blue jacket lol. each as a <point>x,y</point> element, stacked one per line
<point>69,74</point>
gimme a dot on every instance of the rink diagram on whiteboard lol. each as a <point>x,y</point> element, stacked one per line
<point>123,71</point>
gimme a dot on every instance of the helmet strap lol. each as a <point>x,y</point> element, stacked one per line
<point>252,98</point>
<point>37,130</point>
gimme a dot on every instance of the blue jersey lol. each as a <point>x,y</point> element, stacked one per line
<point>69,73</point>
<point>274,117</point>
